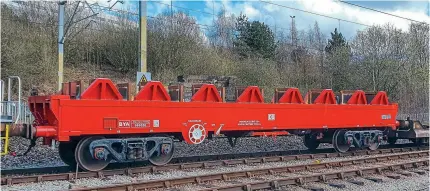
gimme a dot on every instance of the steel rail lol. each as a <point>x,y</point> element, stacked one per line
<point>181,166</point>
<point>167,183</point>
<point>322,177</point>
<point>198,158</point>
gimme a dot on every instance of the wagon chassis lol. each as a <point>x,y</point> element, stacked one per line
<point>104,123</point>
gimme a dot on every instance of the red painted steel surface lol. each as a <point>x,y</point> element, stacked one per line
<point>207,93</point>
<point>153,92</point>
<point>103,89</point>
<point>325,97</point>
<point>358,97</point>
<point>105,113</point>
<point>251,94</point>
<point>292,95</point>
<point>380,99</point>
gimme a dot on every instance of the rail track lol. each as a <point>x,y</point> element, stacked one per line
<point>190,165</point>
<point>200,158</point>
<point>281,174</point>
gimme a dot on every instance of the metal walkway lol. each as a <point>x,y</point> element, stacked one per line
<point>13,112</point>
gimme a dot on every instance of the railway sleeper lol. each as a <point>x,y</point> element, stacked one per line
<point>377,180</point>
<point>356,182</point>
<point>335,185</point>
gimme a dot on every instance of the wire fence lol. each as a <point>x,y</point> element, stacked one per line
<point>422,117</point>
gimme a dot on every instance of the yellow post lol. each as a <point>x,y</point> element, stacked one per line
<point>61,11</point>
<point>6,141</point>
<point>142,36</point>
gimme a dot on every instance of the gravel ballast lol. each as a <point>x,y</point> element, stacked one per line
<point>411,183</point>
<point>414,183</point>
<point>45,156</point>
<point>94,182</point>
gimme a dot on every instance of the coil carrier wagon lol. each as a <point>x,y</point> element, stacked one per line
<point>103,123</point>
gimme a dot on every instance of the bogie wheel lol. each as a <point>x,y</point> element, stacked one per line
<point>310,141</point>
<point>163,153</point>
<point>85,160</point>
<point>373,146</point>
<point>338,141</point>
<point>66,150</point>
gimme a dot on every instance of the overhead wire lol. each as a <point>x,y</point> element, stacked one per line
<point>118,32</point>
<point>208,27</point>
<point>184,8</point>
<point>267,2</point>
<point>56,25</point>
<point>150,16</point>
<point>314,13</point>
<point>386,13</point>
<point>135,13</point>
<point>202,26</point>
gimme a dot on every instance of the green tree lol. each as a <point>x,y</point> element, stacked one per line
<point>254,37</point>
<point>339,56</point>
<point>337,41</point>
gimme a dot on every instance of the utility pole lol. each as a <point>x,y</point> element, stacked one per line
<point>63,33</point>
<point>142,75</point>
<point>293,29</point>
<point>275,32</point>
<point>142,36</point>
<point>61,9</point>
<point>171,16</point>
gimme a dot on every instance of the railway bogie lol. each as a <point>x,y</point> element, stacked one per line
<point>104,123</point>
<point>96,152</point>
<point>343,139</point>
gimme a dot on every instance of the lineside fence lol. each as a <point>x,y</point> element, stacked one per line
<point>422,117</point>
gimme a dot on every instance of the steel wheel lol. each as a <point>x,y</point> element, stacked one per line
<point>338,141</point>
<point>373,146</point>
<point>310,141</point>
<point>163,154</point>
<point>66,150</point>
<point>85,160</point>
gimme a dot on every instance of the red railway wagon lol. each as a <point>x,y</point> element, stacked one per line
<point>101,125</point>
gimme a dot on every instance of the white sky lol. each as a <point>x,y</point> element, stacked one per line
<point>280,17</point>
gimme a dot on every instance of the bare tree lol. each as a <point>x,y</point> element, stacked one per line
<point>222,34</point>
